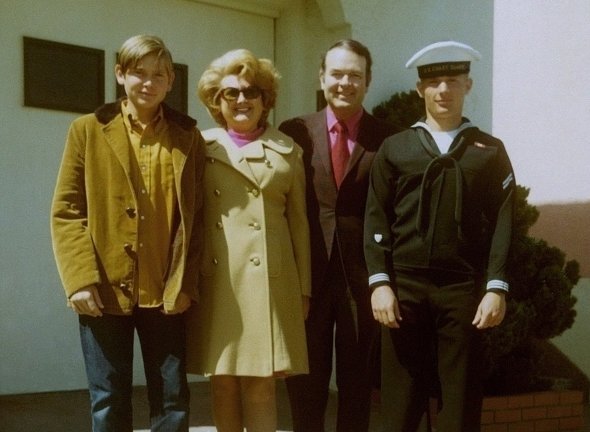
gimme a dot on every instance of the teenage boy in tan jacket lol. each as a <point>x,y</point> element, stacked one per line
<point>126,230</point>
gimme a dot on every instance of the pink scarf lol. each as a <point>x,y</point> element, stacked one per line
<point>241,139</point>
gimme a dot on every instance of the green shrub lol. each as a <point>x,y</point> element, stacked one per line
<point>540,306</point>
<point>402,109</point>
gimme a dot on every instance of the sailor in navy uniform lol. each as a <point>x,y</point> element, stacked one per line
<point>438,226</point>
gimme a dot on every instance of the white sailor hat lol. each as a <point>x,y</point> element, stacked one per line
<point>443,58</point>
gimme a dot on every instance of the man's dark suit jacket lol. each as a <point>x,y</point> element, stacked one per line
<point>331,210</point>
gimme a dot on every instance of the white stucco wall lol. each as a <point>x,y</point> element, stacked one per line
<point>541,106</point>
<point>395,30</point>
<point>541,110</point>
<point>303,34</point>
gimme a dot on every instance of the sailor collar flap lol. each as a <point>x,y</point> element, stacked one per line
<point>465,137</point>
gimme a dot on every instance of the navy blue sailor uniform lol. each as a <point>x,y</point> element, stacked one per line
<point>436,227</point>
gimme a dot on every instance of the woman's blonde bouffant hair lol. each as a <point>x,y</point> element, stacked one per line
<point>240,62</point>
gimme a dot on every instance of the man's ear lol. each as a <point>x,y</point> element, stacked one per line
<point>468,85</point>
<point>321,76</point>
<point>419,89</point>
<point>171,80</point>
<point>119,74</point>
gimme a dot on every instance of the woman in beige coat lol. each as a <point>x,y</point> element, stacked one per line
<point>248,327</point>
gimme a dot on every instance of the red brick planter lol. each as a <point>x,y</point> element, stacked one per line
<point>534,412</point>
<point>546,411</point>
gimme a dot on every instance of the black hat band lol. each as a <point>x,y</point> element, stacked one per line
<point>441,69</point>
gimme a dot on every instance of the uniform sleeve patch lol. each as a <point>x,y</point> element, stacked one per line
<point>507,181</point>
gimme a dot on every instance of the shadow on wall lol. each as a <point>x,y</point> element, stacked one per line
<point>567,227</point>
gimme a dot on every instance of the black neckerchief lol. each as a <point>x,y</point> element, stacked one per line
<point>449,159</point>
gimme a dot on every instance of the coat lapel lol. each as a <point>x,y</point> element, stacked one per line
<point>319,132</point>
<point>221,148</point>
<point>181,141</point>
<point>116,136</point>
<point>359,150</point>
<point>261,155</point>
<point>319,135</point>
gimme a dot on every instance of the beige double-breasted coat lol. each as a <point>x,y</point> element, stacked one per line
<point>256,262</point>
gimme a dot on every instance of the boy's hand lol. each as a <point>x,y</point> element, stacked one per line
<point>183,302</point>
<point>87,302</point>
<point>491,310</point>
<point>385,306</point>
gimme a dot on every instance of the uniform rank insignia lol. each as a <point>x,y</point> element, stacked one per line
<point>479,145</point>
<point>507,181</point>
<point>378,237</point>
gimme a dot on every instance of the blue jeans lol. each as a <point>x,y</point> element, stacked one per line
<point>107,345</point>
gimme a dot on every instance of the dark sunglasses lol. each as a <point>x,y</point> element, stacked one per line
<point>231,93</point>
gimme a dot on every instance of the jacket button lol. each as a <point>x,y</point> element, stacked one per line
<point>217,192</point>
<point>255,192</point>
<point>123,285</point>
<point>219,225</point>
<point>128,247</point>
<point>215,261</point>
<point>255,261</point>
<point>130,212</point>
<point>255,225</point>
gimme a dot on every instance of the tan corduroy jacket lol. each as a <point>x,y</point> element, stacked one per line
<point>94,220</point>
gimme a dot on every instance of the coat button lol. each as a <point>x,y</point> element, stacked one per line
<point>128,247</point>
<point>255,225</point>
<point>130,212</point>
<point>215,261</point>
<point>211,160</point>
<point>123,285</point>
<point>255,261</point>
<point>217,192</point>
<point>255,192</point>
<point>219,225</point>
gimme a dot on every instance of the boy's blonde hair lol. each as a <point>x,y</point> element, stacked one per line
<point>137,47</point>
<point>241,62</point>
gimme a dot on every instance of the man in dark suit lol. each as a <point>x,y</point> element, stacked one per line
<point>339,144</point>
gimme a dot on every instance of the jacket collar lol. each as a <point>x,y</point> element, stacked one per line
<point>108,112</point>
<point>271,139</point>
<point>319,132</point>
<point>181,129</point>
<point>221,147</point>
<point>425,135</point>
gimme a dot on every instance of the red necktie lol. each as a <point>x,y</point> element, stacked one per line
<point>340,153</point>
